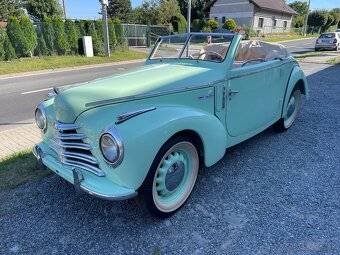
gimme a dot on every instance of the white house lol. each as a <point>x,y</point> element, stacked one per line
<point>263,15</point>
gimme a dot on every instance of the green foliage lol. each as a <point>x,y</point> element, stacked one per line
<point>10,8</point>
<point>30,34</point>
<point>17,37</point>
<point>39,10</point>
<point>112,34</point>
<point>99,27</point>
<point>248,30</point>
<point>317,18</point>
<point>9,50</point>
<point>48,34</point>
<point>168,9</point>
<point>298,21</point>
<point>2,51</point>
<point>197,7</point>
<point>80,24</point>
<point>182,24</point>
<point>98,45</point>
<point>212,24</point>
<point>61,43</point>
<point>119,31</point>
<point>229,24</point>
<point>73,35</point>
<point>300,7</point>
<point>41,49</point>
<point>120,9</point>
<point>206,29</point>
<point>197,25</point>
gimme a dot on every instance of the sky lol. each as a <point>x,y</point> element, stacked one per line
<point>89,9</point>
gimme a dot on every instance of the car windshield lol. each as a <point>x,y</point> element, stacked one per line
<point>206,47</point>
<point>328,35</point>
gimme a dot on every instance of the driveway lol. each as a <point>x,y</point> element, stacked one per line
<point>273,194</point>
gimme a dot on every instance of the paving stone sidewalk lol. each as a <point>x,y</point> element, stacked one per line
<point>18,139</point>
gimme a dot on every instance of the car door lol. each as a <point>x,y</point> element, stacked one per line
<point>252,102</point>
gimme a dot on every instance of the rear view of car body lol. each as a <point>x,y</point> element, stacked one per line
<point>327,41</point>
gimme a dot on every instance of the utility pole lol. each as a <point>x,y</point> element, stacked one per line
<point>306,20</point>
<point>64,8</point>
<point>189,15</point>
<point>105,3</point>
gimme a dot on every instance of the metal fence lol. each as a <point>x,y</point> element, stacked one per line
<point>273,32</point>
<point>142,35</point>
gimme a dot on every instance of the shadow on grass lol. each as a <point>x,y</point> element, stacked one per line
<point>18,169</point>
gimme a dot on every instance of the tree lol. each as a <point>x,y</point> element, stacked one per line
<point>61,43</point>
<point>119,31</point>
<point>168,10</point>
<point>10,8</point>
<point>120,9</point>
<point>212,24</point>
<point>72,35</point>
<point>41,49</point>
<point>30,34</point>
<point>80,24</point>
<point>317,18</point>
<point>17,37</point>
<point>48,34</point>
<point>98,45</point>
<point>182,24</point>
<point>229,24</point>
<point>298,21</point>
<point>300,7</point>
<point>112,34</point>
<point>197,7</point>
<point>9,50</point>
<point>39,10</point>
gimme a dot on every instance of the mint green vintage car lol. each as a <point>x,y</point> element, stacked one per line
<point>147,132</point>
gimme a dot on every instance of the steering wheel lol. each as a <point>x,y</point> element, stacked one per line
<point>213,52</point>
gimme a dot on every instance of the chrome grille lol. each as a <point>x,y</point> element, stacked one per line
<point>72,150</point>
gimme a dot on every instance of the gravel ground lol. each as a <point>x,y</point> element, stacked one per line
<point>273,194</point>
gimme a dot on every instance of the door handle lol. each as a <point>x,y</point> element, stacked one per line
<point>232,92</point>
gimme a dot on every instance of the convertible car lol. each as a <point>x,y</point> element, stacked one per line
<point>147,132</point>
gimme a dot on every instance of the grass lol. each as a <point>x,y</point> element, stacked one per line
<point>334,61</point>
<point>309,54</point>
<point>44,63</point>
<point>289,38</point>
<point>18,169</point>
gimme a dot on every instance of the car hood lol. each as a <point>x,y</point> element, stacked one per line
<point>148,79</point>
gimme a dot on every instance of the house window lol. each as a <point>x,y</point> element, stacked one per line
<point>215,18</point>
<point>260,24</point>
<point>274,22</point>
<point>285,24</point>
<point>223,20</point>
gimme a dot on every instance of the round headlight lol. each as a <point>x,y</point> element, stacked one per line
<point>111,147</point>
<point>40,117</point>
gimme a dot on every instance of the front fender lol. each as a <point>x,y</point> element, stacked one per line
<point>296,77</point>
<point>145,134</point>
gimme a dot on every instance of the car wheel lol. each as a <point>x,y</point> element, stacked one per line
<point>292,110</point>
<point>171,178</point>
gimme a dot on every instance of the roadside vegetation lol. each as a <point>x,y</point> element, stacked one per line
<point>289,38</point>
<point>54,62</point>
<point>18,169</point>
<point>334,61</point>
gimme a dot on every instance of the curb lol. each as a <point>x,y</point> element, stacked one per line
<point>66,69</point>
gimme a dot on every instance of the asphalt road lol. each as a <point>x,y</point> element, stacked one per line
<point>20,95</point>
<point>273,194</point>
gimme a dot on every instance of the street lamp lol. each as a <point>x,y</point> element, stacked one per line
<point>306,20</point>
<point>189,15</point>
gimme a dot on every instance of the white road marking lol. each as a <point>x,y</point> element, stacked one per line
<point>35,91</point>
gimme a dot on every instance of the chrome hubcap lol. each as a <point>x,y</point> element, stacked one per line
<point>174,176</point>
<point>293,108</point>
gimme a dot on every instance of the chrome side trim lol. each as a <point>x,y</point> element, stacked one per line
<point>107,197</point>
<point>128,115</point>
<point>259,71</point>
<point>84,157</point>
<point>152,94</point>
<point>83,165</point>
<point>64,127</point>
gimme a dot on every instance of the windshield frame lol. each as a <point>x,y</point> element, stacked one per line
<point>188,38</point>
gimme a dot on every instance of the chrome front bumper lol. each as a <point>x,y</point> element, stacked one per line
<point>83,181</point>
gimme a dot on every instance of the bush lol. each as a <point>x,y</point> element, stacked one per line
<point>249,32</point>
<point>182,24</point>
<point>41,49</point>
<point>72,36</point>
<point>206,29</point>
<point>229,24</point>
<point>9,50</point>
<point>17,37</point>
<point>212,24</point>
<point>197,25</point>
<point>80,24</point>
<point>98,45</point>
<point>99,28</point>
<point>48,34</point>
<point>119,31</point>
<point>61,43</point>
<point>112,34</point>
<point>30,34</point>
